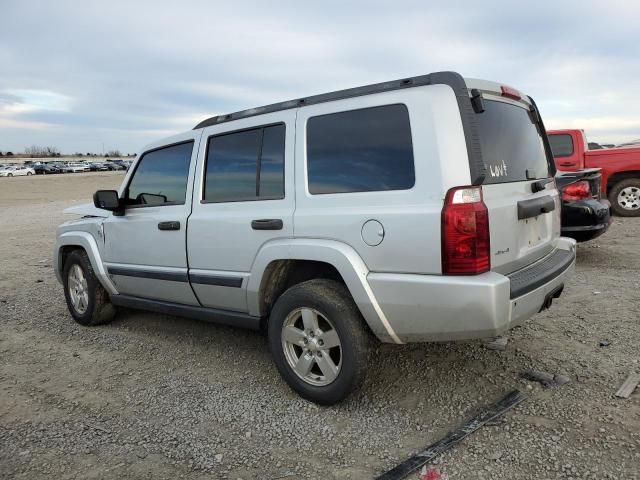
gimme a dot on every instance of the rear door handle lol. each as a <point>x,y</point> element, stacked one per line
<point>267,224</point>
<point>567,164</point>
<point>169,225</point>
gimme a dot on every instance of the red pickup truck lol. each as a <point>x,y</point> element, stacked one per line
<point>620,168</point>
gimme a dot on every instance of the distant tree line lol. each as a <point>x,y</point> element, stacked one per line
<point>37,151</point>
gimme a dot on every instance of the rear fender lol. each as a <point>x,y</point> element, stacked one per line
<point>343,258</point>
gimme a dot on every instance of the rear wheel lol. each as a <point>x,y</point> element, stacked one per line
<point>29,173</point>
<point>87,300</point>
<point>319,341</point>
<point>9,174</point>
<point>625,198</point>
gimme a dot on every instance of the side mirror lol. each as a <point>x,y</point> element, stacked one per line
<point>107,200</point>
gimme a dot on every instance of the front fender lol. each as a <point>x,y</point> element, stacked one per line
<point>86,241</point>
<point>342,257</point>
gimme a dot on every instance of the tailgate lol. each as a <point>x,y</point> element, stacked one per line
<point>523,203</point>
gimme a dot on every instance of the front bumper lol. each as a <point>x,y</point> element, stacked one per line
<point>423,308</point>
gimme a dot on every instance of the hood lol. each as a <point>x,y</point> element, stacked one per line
<point>86,210</point>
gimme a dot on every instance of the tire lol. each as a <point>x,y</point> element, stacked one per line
<point>336,316</point>
<point>630,189</point>
<point>9,174</point>
<point>98,309</point>
<point>29,173</point>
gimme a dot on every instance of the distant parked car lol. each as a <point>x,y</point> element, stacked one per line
<point>62,167</point>
<point>46,169</point>
<point>17,171</point>
<point>115,166</point>
<point>79,167</point>
<point>98,167</point>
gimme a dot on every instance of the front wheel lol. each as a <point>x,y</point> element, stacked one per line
<point>9,174</point>
<point>29,173</point>
<point>625,198</point>
<point>319,341</point>
<point>87,300</point>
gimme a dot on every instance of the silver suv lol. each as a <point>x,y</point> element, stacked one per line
<point>416,210</point>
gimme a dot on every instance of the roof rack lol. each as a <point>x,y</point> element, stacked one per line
<point>454,80</point>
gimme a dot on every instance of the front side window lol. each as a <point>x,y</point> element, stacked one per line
<point>246,165</point>
<point>561,145</point>
<point>360,151</point>
<point>161,177</point>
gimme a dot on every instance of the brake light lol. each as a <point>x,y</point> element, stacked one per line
<point>510,93</point>
<point>465,232</point>
<point>576,191</point>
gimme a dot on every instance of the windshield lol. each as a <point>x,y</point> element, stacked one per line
<point>512,148</point>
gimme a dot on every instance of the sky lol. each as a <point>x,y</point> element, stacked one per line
<point>92,76</point>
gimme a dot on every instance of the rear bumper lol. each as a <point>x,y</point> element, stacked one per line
<point>422,308</point>
<point>585,218</point>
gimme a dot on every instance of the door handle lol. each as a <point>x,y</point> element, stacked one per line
<point>267,224</point>
<point>535,206</point>
<point>567,164</point>
<point>169,225</point>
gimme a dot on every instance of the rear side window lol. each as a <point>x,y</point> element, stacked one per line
<point>246,165</point>
<point>512,148</point>
<point>561,145</point>
<point>360,151</point>
<point>161,177</point>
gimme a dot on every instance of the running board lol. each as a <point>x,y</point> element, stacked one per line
<point>213,315</point>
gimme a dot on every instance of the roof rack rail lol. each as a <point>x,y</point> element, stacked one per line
<point>449,78</point>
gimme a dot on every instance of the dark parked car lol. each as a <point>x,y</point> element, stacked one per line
<point>113,165</point>
<point>63,167</point>
<point>98,167</point>
<point>585,215</point>
<point>46,169</point>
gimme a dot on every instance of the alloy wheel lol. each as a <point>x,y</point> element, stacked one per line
<point>311,346</point>
<point>78,291</point>
<point>629,198</point>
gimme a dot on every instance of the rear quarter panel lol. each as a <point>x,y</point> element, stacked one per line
<point>411,218</point>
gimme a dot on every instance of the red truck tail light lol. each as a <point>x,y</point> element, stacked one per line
<point>465,232</point>
<point>576,191</point>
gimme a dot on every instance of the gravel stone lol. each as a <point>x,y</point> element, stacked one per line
<point>158,397</point>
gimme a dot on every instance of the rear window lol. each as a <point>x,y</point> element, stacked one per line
<point>512,148</point>
<point>561,145</point>
<point>360,151</point>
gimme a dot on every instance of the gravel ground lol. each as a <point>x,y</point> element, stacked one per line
<point>153,396</point>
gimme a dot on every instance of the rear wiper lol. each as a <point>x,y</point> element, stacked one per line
<point>540,185</point>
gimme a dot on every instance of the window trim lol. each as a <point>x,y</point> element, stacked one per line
<point>573,147</point>
<point>306,151</point>
<point>125,192</point>
<point>203,190</point>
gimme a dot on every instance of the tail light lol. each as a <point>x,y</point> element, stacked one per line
<point>465,232</point>
<point>511,93</point>
<point>576,191</point>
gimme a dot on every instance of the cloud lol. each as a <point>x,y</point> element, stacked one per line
<point>80,74</point>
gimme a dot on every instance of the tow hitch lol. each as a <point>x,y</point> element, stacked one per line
<point>548,300</point>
